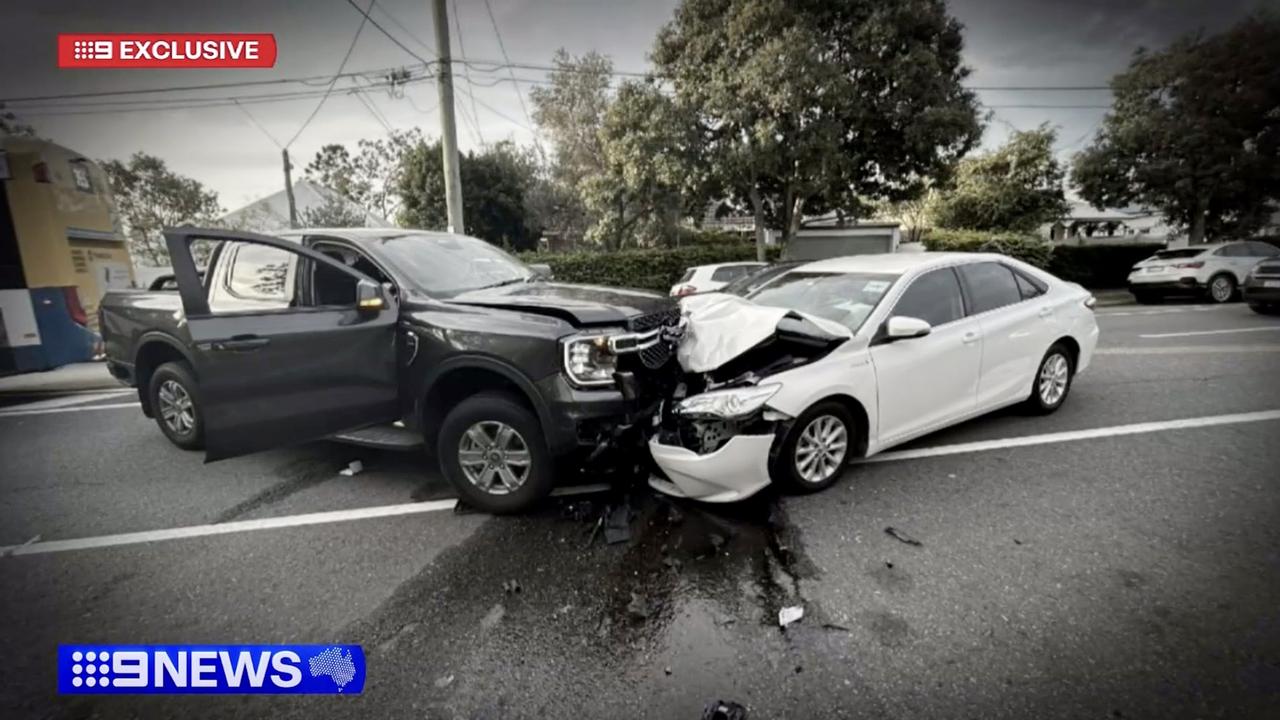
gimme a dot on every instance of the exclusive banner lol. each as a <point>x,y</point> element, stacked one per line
<point>166,50</point>
<point>210,669</point>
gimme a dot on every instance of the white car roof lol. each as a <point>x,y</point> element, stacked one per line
<point>727,264</point>
<point>897,263</point>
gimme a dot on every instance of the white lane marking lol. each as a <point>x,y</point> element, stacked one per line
<point>319,518</point>
<point>70,399</point>
<point>1188,350</point>
<point>1225,331</point>
<point>46,411</point>
<point>1166,311</point>
<point>1074,435</point>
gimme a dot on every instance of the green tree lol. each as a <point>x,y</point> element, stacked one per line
<point>495,184</point>
<point>1015,187</point>
<point>571,111</point>
<point>336,212</point>
<point>812,105</point>
<point>150,197</point>
<point>1194,131</point>
<point>368,178</point>
<point>654,171</point>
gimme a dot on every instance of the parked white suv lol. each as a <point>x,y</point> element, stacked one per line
<point>1215,271</point>
<point>707,278</point>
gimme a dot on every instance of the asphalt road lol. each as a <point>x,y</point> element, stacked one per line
<point>1070,566</point>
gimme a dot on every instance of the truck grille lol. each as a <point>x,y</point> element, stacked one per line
<point>670,316</point>
<point>656,355</point>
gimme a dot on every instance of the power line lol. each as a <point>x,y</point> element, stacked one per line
<point>503,48</point>
<point>390,37</point>
<point>341,66</point>
<point>466,74</point>
<point>255,123</point>
<point>373,110</point>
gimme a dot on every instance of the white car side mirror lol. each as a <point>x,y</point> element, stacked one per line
<point>901,327</point>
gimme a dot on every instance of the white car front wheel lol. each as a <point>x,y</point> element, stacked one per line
<point>817,450</point>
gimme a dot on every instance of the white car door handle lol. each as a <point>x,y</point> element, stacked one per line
<point>969,338</point>
<point>1045,311</point>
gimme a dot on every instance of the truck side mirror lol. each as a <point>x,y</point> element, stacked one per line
<point>369,296</point>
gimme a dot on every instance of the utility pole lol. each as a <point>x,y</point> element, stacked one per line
<point>448,126</point>
<point>288,189</point>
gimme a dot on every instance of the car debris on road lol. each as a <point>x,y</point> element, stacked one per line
<point>901,536</point>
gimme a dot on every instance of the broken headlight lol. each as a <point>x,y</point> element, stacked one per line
<point>589,360</point>
<point>727,404</point>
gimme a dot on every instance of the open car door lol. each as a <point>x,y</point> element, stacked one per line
<point>274,365</point>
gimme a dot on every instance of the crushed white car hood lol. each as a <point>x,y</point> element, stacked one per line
<point>721,327</point>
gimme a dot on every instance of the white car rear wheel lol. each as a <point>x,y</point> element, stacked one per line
<point>1052,381</point>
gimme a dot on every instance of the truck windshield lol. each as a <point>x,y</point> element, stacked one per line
<point>847,298</point>
<point>444,265</point>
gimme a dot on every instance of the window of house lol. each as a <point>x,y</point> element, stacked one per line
<point>80,176</point>
<point>933,297</point>
<point>991,285</point>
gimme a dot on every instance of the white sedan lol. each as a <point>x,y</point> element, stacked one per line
<point>708,278</point>
<point>841,359</point>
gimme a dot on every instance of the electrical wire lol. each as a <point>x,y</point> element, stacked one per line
<point>341,66</point>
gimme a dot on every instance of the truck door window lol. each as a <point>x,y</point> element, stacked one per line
<point>253,277</point>
<point>334,287</point>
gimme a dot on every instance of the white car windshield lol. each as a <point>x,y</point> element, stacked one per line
<point>445,265</point>
<point>846,298</point>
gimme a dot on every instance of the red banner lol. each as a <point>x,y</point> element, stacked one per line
<point>166,50</point>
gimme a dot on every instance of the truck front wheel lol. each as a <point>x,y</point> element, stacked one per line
<point>175,403</point>
<point>492,450</point>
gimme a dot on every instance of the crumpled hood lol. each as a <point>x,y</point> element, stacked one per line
<point>578,304</point>
<point>723,327</point>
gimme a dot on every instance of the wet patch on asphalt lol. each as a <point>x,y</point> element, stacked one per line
<point>295,476</point>
<point>537,615</point>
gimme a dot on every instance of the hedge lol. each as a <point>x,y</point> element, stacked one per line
<point>1094,266</point>
<point>1027,248</point>
<point>649,269</point>
<point>1099,266</point>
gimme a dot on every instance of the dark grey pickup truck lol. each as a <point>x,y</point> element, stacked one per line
<point>390,337</point>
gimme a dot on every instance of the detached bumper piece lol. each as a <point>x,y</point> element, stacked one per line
<point>738,470</point>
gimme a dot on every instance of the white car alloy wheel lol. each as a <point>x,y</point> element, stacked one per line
<point>821,449</point>
<point>494,457</point>
<point>1221,289</point>
<point>1055,373</point>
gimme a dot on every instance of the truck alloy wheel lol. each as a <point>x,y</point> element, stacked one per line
<point>494,457</point>
<point>493,452</point>
<point>174,397</point>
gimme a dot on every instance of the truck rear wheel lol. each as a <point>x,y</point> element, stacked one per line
<point>493,452</point>
<point>175,403</point>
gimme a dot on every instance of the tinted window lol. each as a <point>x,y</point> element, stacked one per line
<point>730,273</point>
<point>260,273</point>
<point>1236,250</point>
<point>933,297</point>
<point>1261,249</point>
<point>847,298</point>
<point>1029,287</point>
<point>688,275</point>
<point>991,285</point>
<point>1181,253</point>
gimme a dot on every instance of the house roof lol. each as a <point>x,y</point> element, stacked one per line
<point>271,213</point>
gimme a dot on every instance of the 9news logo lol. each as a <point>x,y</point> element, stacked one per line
<point>210,669</point>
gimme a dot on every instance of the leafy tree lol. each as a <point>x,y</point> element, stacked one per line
<point>495,183</point>
<point>336,212</point>
<point>653,174</point>
<point>368,178</point>
<point>150,197</point>
<point>1016,187</point>
<point>1194,131</point>
<point>571,110</point>
<point>812,105</point>
<point>11,125</point>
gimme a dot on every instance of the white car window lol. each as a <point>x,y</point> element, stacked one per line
<point>846,298</point>
<point>991,285</point>
<point>933,297</point>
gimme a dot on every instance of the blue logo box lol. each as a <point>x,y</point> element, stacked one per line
<point>210,669</point>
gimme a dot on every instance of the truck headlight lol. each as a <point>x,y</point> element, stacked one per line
<point>589,361</point>
<point>728,404</point>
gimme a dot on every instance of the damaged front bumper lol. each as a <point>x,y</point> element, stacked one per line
<point>738,470</point>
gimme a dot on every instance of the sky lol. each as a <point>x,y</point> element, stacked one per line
<point>235,150</point>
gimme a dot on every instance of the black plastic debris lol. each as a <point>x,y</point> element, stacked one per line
<point>617,526</point>
<point>723,710</point>
<point>900,536</point>
<point>511,587</point>
<point>717,541</point>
